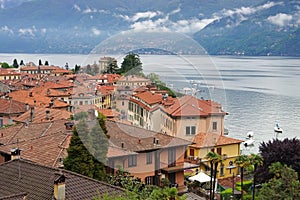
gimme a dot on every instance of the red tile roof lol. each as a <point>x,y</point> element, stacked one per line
<point>11,107</point>
<point>213,139</point>
<point>138,139</point>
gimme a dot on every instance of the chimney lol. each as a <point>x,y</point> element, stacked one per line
<point>69,125</point>
<point>154,141</point>
<point>47,114</point>
<point>30,94</point>
<point>27,106</point>
<point>34,102</point>
<point>51,103</point>
<point>15,153</point>
<point>60,187</point>
<point>122,145</point>
<point>31,114</point>
<point>157,141</point>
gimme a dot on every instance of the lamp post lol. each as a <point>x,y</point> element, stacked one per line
<point>233,185</point>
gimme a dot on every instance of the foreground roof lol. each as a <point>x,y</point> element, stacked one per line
<point>37,181</point>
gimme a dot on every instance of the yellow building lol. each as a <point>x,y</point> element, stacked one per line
<point>228,148</point>
<point>9,74</point>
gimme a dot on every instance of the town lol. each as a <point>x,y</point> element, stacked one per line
<point>99,131</point>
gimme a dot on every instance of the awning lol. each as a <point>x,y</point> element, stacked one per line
<point>200,177</point>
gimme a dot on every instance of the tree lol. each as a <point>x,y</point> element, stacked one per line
<point>214,160</point>
<point>77,69</point>
<point>22,62</point>
<point>40,62</point>
<point>284,151</point>
<point>5,65</point>
<point>112,67</point>
<point>131,65</point>
<point>88,148</point>
<point>89,69</point>
<point>46,63</point>
<point>283,185</point>
<point>242,161</point>
<point>256,160</point>
<point>15,63</point>
<point>79,159</point>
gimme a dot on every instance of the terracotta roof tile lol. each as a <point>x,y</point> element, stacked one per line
<point>12,106</point>
<point>41,116</point>
<point>139,139</point>
<point>212,139</point>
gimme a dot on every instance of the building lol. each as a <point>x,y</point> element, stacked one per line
<point>182,117</point>
<point>148,155</point>
<point>11,109</point>
<point>44,69</point>
<point>9,74</point>
<point>105,61</point>
<point>23,179</point>
<point>228,148</point>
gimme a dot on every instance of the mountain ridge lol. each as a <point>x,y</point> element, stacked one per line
<point>77,26</point>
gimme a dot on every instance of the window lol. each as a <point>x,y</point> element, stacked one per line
<point>149,158</point>
<point>132,161</point>
<point>219,151</point>
<point>192,152</point>
<point>149,180</point>
<point>172,157</point>
<point>190,130</point>
<point>222,170</point>
<point>214,126</point>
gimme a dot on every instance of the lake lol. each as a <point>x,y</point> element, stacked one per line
<point>257,92</point>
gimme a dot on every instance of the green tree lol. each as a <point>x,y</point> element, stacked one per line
<point>214,159</point>
<point>89,69</point>
<point>22,62</point>
<point>87,153</point>
<point>242,161</point>
<point>40,62</point>
<point>5,65</point>
<point>131,65</point>
<point>112,67</point>
<point>15,63</point>
<point>256,160</point>
<point>77,69</point>
<point>79,159</point>
<point>46,63</point>
<point>283,186</point>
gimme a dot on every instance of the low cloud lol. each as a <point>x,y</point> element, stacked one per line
<point>6,29</point>
<point>89,10</point>
<point>281,19</point>
<point>27,31</point>
<point>96,31</point>
<point>77,7</point>
<point>142,15</point>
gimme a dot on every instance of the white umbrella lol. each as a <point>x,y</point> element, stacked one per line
<point>200,177</point>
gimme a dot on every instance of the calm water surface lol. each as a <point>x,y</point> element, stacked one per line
<point>257,92</point>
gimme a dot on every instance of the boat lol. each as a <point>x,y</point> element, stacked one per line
<point>277,128</point>
<point>249,141</point>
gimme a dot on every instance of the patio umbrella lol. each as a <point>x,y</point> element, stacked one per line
<point>200,177</point>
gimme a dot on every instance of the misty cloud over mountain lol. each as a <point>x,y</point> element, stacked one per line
<point>257,27</point>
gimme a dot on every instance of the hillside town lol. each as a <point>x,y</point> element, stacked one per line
<point>152,137</point>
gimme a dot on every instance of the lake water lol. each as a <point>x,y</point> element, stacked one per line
<point>257,92</point>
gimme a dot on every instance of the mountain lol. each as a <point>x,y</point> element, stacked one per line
<point>260,31</point>
<point>256,27</point>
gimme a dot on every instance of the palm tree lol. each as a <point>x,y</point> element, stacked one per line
<point>256,160</point>
<point>214,159</point>
<point>242,161</point>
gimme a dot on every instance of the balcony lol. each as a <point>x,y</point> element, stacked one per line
<point>176,166</point>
